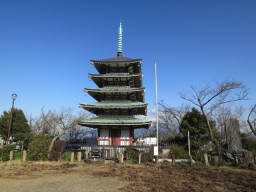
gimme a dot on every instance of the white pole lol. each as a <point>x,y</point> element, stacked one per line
<point>188,144</point>
<point>156,109</point>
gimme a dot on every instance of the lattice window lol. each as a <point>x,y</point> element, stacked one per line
<point>104,133</point>
<point>125,133</point>
<point>104,142</point>
<point>125,143</point>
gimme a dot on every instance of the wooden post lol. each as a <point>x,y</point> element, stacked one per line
<point>173,159</point>
<point>86,154</point>
<point>216,160</point>
<point>236,161</point>
<point>206,159</point>
<point>121,157</point>
<point>139,158</point>
<point>59,158</point>
<point>72,157</point>
<point>79,156</point>
<point>191,160</point>
<point>24,155</point>
<point>11,155</point>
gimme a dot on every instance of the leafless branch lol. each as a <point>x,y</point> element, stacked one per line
<point>252,124</point>
<point>210,98</point>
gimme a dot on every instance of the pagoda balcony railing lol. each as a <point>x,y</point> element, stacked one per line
<point>115,87</point>
<point>118,73</point>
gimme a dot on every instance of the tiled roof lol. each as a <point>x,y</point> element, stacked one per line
<point>116,59</point>
<point>114,104</point>
<point>116,75</point>
<point>115,120</point>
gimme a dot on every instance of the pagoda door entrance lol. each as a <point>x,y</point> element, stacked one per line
<point>115,137</point>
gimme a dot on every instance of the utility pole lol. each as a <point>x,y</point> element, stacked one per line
<point>157,149</point>
<point>14,96</point>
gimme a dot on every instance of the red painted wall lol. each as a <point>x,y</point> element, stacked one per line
<point>115,137</point>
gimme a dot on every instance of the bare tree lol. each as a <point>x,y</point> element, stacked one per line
<point>251,120</point>
<point>63,121</point>
<point>46,123</point>
<point>170,117</point>
<point>56,124</point>
<point>209,98</point>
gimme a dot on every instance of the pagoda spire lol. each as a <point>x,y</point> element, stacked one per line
<point>120,38</point>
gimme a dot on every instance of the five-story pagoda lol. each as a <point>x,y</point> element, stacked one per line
<point>120,97</point>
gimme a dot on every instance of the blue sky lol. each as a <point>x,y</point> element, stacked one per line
<point>46,45</point>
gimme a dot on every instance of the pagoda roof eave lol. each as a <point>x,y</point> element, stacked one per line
<point>101,94</point>
<point>102,65</point>
<point>122,77</point>
<point>145,126</point>
<point>115,121</point>
<point>110,75</point>
<point>113,105</point>
<point>118,59</point>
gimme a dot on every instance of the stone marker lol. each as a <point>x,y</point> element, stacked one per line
<point>233,139</point>
<point>86,154</point>
<point>24,155</point>
<point>121,157</point>
<point>11,155</point>
<point>72,157</point>
<point>249,158</point>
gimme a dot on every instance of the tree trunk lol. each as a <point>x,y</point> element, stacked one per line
<point>206,160</point>
<point>218,146</point>
<point>208,123</point>
<point>53,141</point>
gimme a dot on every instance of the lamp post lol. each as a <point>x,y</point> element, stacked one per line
<point>14,97</point>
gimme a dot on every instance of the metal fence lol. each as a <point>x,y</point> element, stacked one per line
<point>111,152</point>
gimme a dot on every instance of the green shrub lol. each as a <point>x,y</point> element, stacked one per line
<point>146,157</point>
<point>17,155</point>
<point>38,148</point>
<point>5,152</point>
<point>176,138</point>
<point>66,156</point>
<point>248,142</point>
<point>179,152</point>
<point>165,162</point>
<point>131,154</point>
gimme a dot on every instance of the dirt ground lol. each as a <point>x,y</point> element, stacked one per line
<point>79,177</point>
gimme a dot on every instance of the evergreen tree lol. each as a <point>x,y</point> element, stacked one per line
<point>20,127</point>
<point>196,123</point>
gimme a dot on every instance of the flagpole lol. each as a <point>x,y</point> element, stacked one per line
<point>156,110</point>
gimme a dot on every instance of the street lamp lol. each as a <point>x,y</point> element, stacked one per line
<point>14,97</point>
